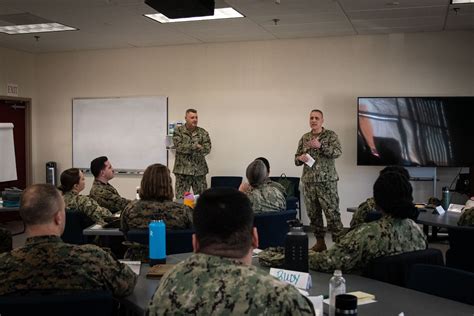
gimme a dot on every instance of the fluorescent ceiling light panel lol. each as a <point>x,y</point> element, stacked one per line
<point>222,13</point>
<point>35,28</point>
<point>461,1</point>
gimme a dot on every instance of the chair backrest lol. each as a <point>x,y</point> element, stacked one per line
<point>76,222</point>
<point>226,181</point>
<point>272,227</point>
<point>177,241</point>
<point>460,254</point>
<point>395,269</point>
<point>70,303</point>
<point>292,202</point>
<point>442,281</point>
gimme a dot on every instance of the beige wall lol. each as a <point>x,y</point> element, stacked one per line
<point>254,97</point>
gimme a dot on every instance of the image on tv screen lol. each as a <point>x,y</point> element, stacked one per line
<point>416,131</point>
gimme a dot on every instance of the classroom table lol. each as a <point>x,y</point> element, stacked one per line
<point>391,299</point>
<point>98,230</point>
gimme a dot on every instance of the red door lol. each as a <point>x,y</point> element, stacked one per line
<point>12,111</point>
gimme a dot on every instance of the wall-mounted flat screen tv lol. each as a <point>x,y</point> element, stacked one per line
<point>415,131</point>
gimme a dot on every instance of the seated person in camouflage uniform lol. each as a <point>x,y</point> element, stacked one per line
<point>263,195</point>
<point>467,216</point>
<point>48,265</point>
<point>369,205</point>
<point>102,191</point>
<point>218,279</point>
<point>5,240</point>
<point>156,202</point>
<point>72,183</point>
<point>393,234</point>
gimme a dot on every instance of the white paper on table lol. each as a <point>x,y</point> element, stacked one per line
<point>359,302</point>
<point>134,265</point>
<point>310,161</point>
<point>96,226</point>
<point>317,302</point>
<point>255,252</point>
<point>455,208</point>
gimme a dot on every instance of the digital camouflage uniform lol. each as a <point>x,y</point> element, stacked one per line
<point>361,213</point>
<point>384,237</point>
<point>46,263</point>
<point>86,205</point>
<point>267,197</point>
<point>139,213</point>
<point>107,196</point>
<point>320,182</point>
<point>210,285</point>
<point>190,167</point>
<point>5,240</point>
<point>467,218</point>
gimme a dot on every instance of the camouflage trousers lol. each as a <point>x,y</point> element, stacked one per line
<point>5,240</point>
<point>322,197</point>
<point>185,182</point>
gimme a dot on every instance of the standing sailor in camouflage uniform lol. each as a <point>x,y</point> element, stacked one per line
<point>219,278</point>
<point>72,183</point>
<point>264,195</point>
<point>393,234</point>
<point>102,191</point>
<point>46,263</point>
<point>192,144</point>
<point>320,180</point>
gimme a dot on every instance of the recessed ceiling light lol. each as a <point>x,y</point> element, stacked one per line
<point>222,13</point>
<point>461,1</point>
<point>35,28</point>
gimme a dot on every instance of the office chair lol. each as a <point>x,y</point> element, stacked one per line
<point>395,269</point>
<point>70,303</point>
<point>293,202</point>
<point>272,227</point>
<point>76,222</point>
<point>460,254</point>
<point>177,240</point>
<point>226,182</point>
<point>453,284</point>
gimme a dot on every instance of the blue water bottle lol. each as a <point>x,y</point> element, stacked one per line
<point>157,245</point>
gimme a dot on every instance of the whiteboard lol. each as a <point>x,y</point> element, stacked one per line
<point>130,131</point>
<point>7,153</point>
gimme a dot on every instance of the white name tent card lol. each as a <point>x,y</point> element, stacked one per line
<point>301,280</point>
<point>440,210</point>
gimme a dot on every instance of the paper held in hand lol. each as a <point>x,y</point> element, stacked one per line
<point>310,161</point>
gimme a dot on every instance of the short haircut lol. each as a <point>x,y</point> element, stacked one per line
<point>397,169</point>
<point>156,184</point>
<point>39,203</point>
<point>265,162</point>
<point>393,193</point>
<point>69,178</point>
<point>319,111</point>
<point>256,173</point>
<point>97,165</point>
<point>223,221</point>
<point>190,111</point>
